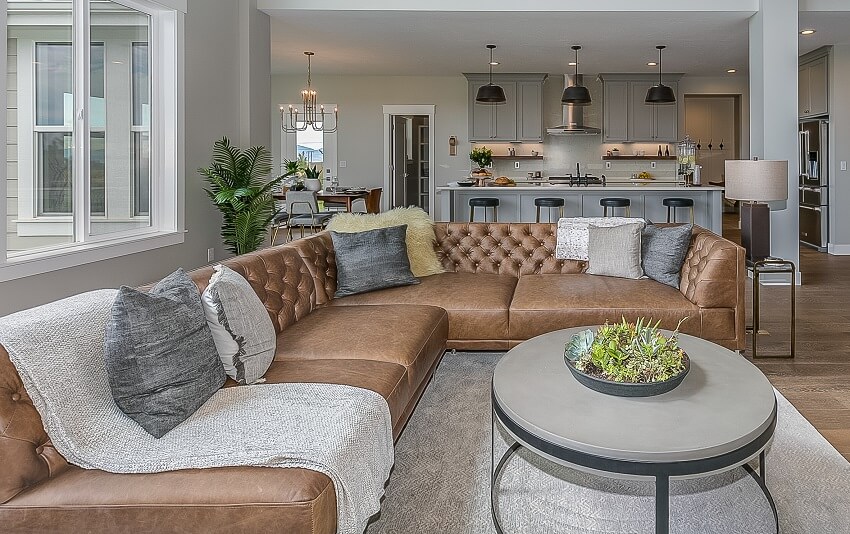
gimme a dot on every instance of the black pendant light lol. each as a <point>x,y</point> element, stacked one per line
<point>660,94</point>
<point>491,94</point>
<point>577,94</point>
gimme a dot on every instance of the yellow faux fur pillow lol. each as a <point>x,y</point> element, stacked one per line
<point>420,234</point>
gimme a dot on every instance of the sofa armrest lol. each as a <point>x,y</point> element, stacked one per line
<point>713,276</point>
<point>714,271</point>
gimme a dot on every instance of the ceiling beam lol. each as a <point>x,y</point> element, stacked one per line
<point>276,7</point>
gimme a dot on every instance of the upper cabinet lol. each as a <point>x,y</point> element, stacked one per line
<point>520,118</point>
<point>813,96</point>
<point>627,118</point>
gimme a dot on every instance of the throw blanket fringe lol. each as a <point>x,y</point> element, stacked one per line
<point>342,431</point>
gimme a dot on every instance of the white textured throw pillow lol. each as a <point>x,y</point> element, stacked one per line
<point>573,235</point>
<point>615,251</point>
<point>242,330</point>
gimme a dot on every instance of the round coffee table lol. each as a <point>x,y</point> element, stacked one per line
<point>722,416</point>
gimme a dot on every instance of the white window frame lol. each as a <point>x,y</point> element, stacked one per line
<point>167,149</point>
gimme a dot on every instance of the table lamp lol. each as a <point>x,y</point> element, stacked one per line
<point>755,182</point>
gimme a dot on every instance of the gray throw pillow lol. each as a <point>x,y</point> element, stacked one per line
<point>664,251</point>
<point>615,251</point>
<point>241,327</point>
<point>370,260</point>
<point>159,354</point>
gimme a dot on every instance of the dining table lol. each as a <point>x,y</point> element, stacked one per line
<point>341,196</point>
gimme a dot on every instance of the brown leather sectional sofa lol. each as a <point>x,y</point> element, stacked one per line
<point>503,285</point>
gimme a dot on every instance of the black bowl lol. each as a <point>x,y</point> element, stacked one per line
<point>629,389</point>
<point>465,183</point>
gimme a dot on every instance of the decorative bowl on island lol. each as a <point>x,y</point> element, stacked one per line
<point>627,359</point>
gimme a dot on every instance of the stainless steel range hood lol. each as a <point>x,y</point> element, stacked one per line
<point>573,115</point>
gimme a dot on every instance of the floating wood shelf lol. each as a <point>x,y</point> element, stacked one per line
<point>518,157</point>
<point>638,158</point>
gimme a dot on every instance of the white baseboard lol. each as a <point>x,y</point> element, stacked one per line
<point>838,250</point>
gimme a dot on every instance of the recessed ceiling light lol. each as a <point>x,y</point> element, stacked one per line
<point>572,63</point>
<point>494,63</point>
<point>731,71</point>
<point>807,32</point>
<point>652,64</point>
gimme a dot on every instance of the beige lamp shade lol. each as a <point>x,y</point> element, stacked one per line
<point>756,180</point>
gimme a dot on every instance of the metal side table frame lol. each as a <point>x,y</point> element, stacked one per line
<point>772,266</point>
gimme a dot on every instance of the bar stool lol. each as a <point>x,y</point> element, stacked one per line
<point>614,203</point>
<point>549,203</point>
<point>673,203</point>
<point>483,202</point>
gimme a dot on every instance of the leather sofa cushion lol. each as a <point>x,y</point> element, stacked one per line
<point>477,303</point>
<point>228,499</point>
<point>411,336</point>
<point>385,378</point>
<point>543,303</point>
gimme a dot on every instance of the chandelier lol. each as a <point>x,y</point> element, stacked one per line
<point>299,121</point>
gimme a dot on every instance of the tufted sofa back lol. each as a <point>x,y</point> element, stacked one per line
<point>513,249</point>
<point>27,456</point>
<point>278,276</point>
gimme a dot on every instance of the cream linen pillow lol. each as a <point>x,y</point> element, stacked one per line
<point>615,251</point>
<point>420,236</point>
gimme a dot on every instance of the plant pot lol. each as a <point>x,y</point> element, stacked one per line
<point>313,184</point>
<point>629,389</point>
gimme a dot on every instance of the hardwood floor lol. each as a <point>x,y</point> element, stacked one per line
<point>817,381</point>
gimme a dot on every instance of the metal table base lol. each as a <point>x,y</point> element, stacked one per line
<point>662,484</point>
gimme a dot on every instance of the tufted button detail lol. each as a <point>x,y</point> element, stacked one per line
<point>16,397</point>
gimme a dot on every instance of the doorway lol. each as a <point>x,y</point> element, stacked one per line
<point>407,150</point>
<point>714,122</point>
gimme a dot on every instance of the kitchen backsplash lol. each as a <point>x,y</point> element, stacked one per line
<point>561,153</point>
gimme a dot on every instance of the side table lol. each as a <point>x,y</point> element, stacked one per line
<point>773,266</point>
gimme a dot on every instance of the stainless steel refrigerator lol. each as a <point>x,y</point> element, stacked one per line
<point>814,183</point>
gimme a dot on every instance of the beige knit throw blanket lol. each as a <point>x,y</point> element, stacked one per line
<point>342,431</point>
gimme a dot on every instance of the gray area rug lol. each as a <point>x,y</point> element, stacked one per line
<point>440,483</point>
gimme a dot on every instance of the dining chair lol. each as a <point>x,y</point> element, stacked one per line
<point>303,212</point>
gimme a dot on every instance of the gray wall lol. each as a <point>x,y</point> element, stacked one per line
<point>360,137</point>
<point>213,100</point>
<point>840,150</point>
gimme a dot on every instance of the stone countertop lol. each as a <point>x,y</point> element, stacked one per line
<point>579,189</point>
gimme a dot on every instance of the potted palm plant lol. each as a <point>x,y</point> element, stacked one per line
<point>240,187</point>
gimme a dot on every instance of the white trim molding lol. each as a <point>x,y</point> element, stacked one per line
<point>410,109</point>
<point>838,250</point>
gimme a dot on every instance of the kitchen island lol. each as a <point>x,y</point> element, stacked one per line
<point>516,204</point>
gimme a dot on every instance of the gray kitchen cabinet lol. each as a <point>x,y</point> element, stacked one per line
<point>520,118</point>
<point>641,116</point>
<point>529,111</point>
<point>615,100</point>
<point>813,96</point>
<point>505,115</point>
<point>626,116</point>
<point>667,119</point>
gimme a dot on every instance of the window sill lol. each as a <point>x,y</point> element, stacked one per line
<point>74,255</point>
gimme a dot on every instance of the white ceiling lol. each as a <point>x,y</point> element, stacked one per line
<point>449,43</point>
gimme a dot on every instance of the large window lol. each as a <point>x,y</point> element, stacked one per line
<point>91,126</point>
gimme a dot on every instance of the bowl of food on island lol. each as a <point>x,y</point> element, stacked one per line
<point>465,183</point>
<point>504,181</point>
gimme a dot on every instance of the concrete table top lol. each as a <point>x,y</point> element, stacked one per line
<point>723,404</point>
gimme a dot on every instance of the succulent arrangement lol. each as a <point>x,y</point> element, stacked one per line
<point>627,352</point>
<point>481,156</point>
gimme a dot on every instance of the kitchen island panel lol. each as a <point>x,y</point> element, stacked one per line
<point>517,203</point>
